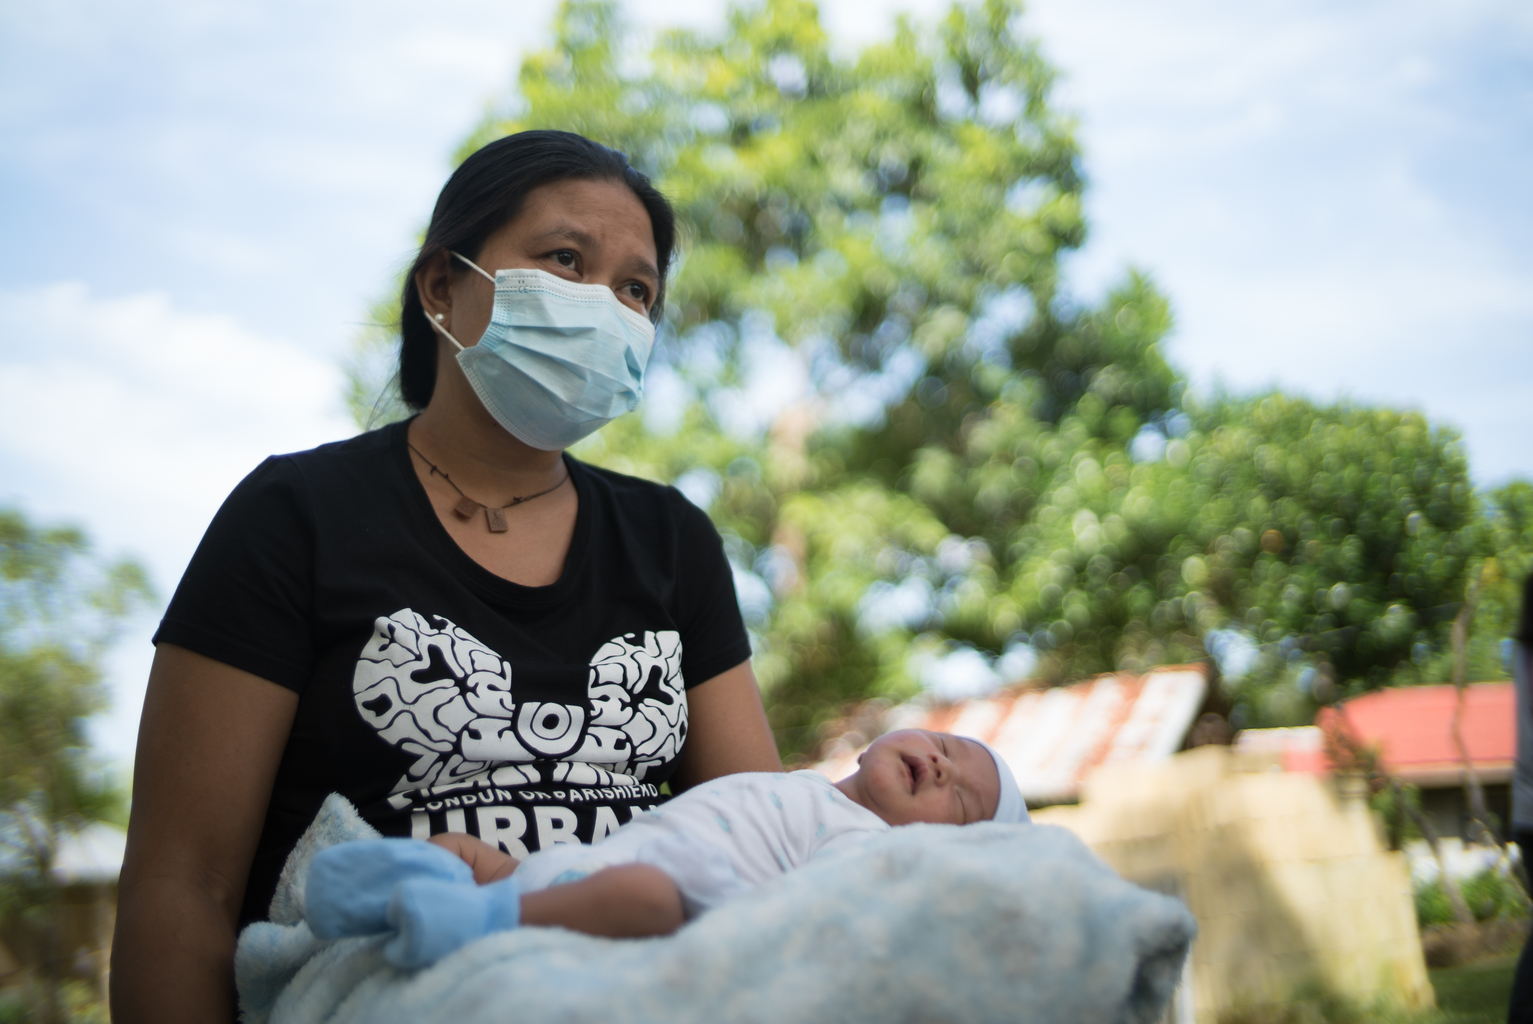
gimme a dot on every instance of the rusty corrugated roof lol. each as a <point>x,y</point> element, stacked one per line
<point>1412,728</point>
<point>1053,737</point>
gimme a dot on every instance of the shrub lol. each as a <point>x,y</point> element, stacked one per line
<point>1490,895</point>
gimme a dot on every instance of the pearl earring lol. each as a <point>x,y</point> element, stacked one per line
<point>439,318</point>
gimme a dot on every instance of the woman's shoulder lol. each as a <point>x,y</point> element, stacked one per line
<point>634,494</point>
<point>291,484</point>
<point>368,446</point>
<point>335,464</point>
<point>620,483</point>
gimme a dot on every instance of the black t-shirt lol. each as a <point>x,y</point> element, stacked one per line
<point>435,695</point>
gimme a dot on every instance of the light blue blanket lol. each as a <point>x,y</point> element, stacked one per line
<point>982,923</point>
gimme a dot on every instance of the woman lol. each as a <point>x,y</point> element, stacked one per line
<point>1520,1007</point>
<point>448,620</point>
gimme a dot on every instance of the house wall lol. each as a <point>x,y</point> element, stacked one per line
<point>1292,886</point>
<point>1448,809</point>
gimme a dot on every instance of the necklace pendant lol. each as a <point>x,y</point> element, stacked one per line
<point>496,520</point>
<point>466,508</point>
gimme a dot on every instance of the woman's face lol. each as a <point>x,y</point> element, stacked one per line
<point>590,232</point>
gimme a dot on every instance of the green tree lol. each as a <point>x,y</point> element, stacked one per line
<point>59,609</point>
<point>917,446</point>
<point>887,227</point>
<point>1505,536</point>
<point>1332,544</point>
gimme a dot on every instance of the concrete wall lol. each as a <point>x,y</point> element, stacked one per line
<point>1292,884</point>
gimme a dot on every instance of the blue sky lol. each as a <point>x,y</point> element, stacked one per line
<point>199,201</point>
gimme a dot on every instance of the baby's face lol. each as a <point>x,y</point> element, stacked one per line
<point>914,775</point>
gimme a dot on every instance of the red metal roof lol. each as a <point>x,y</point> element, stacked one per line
<point>1053,737</point>
<point>1412,728</point>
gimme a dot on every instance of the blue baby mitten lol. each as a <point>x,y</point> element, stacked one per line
<point>349,884</point>
<point>432,918</point>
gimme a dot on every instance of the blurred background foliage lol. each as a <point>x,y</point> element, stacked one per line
<point>1491,895</point>
<point>60,606</point>
<point>934,470</point>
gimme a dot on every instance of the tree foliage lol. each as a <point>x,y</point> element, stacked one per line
<point>1318,546</point>
<point>59,609</point>
<point>922,453</point>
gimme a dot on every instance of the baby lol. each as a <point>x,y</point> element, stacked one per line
<point>711,843</point>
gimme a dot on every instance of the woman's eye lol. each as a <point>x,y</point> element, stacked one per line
<point>565,258</point>
<point>639,293</point>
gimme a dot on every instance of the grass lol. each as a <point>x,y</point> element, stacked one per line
<point>1475,993</point>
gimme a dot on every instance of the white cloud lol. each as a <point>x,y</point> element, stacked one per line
<point>135,419</point>
<point>130,389</point>
<point>1330,196</point>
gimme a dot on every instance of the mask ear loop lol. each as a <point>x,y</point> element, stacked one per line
<point>444,332</point>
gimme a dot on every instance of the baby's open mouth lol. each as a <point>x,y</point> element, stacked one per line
<point>917,770</point>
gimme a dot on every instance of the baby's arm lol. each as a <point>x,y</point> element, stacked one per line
<point>628,901</point>
<point>488,862</point>
<point>424,893</point>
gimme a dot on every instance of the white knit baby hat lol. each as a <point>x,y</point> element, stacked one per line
<point>1011,809</point>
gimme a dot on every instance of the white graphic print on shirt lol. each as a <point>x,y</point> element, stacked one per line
<point>438,693</point>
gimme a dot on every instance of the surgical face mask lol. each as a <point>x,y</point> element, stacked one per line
<point>559,360</point>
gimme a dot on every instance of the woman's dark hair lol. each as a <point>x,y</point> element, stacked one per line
<point>1525,627</point>
<point>487,192</point>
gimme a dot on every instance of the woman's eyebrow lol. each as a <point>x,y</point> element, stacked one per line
<point>565,231</point>
<point>637,266</point>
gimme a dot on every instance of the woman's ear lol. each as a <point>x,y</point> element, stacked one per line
<point>433,282</point>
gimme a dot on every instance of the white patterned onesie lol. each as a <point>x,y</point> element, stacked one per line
<point>720,839</point>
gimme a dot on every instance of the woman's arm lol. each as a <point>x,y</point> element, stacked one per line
<point>727,730</point>
<point>208,749</point>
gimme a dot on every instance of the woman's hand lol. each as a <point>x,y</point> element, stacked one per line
<point>208,749</point>
<point>727,730</point>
